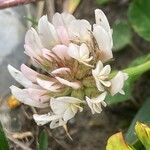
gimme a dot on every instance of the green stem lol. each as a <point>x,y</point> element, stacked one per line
<point>132,71</point>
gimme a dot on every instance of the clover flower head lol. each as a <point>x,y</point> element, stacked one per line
<point>68,55</point>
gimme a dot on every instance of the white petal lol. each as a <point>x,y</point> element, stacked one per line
<point>99,86</point>
<point>106,83</point>
<point>95,103</point>
<point>44,119</point>
<point>84,51</point>
<point>47,32</point>
<point>104,42</point>
<point>97,70</point>
<point>73,51</point>
<point>105,71</point>
<point>101,19</point>
<point>23,96</point>
<point>69,114</point>
<point>117,83</point>
<point>19,77</point>
<point>33,41</point>
<point>90,104</point>
<point>79,29</point>
<point>80,53</point>
<point>100,98</point>
<point>62,19</point>
<point>60,104</point>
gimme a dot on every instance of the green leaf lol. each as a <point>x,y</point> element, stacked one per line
<point>143,115</point>
<point>143,134</point>
<point>3,140</point>
<point>139,16</point>
<point>102,2</point>
<point>129,84</point>
<point>121,34</point>
<point>43,141</point>
<point>116,142</point>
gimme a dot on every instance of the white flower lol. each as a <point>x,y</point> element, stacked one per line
<point>117,83</point>
<point>64,53</point>
<point>66,106</point>
<point>95,104</point>
<point>103,35</point>
<point>100,75</point>
<point>63,109</point>
<point>80,53</point>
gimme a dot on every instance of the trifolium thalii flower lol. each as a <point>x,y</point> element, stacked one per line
<point>69,56</point>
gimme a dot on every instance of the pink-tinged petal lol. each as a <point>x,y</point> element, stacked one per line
<point>23,96</point>
<point>62,19</point>
<point>117,83</point>
<point>63,35</point>
<point>48,85</point>
<point>38,94</point>
<point>19,77</point>
<point>62,70</point>
<point>74,85</point>
<point>29,73</point>
<point>47,33</point>
<point>104,42</point>
<point>49,55</point>
<point>61,51</point>
<point>33,41</point>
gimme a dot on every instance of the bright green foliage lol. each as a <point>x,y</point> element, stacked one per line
<point>121,34</point>
<point>142,131</point>
<point>139,16</point>
<point>3,140</point>
<point>117,142</point>
<point>143,115</point>
<point>102,2</point>
<point>43,141</point>
<point>143,134</point>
